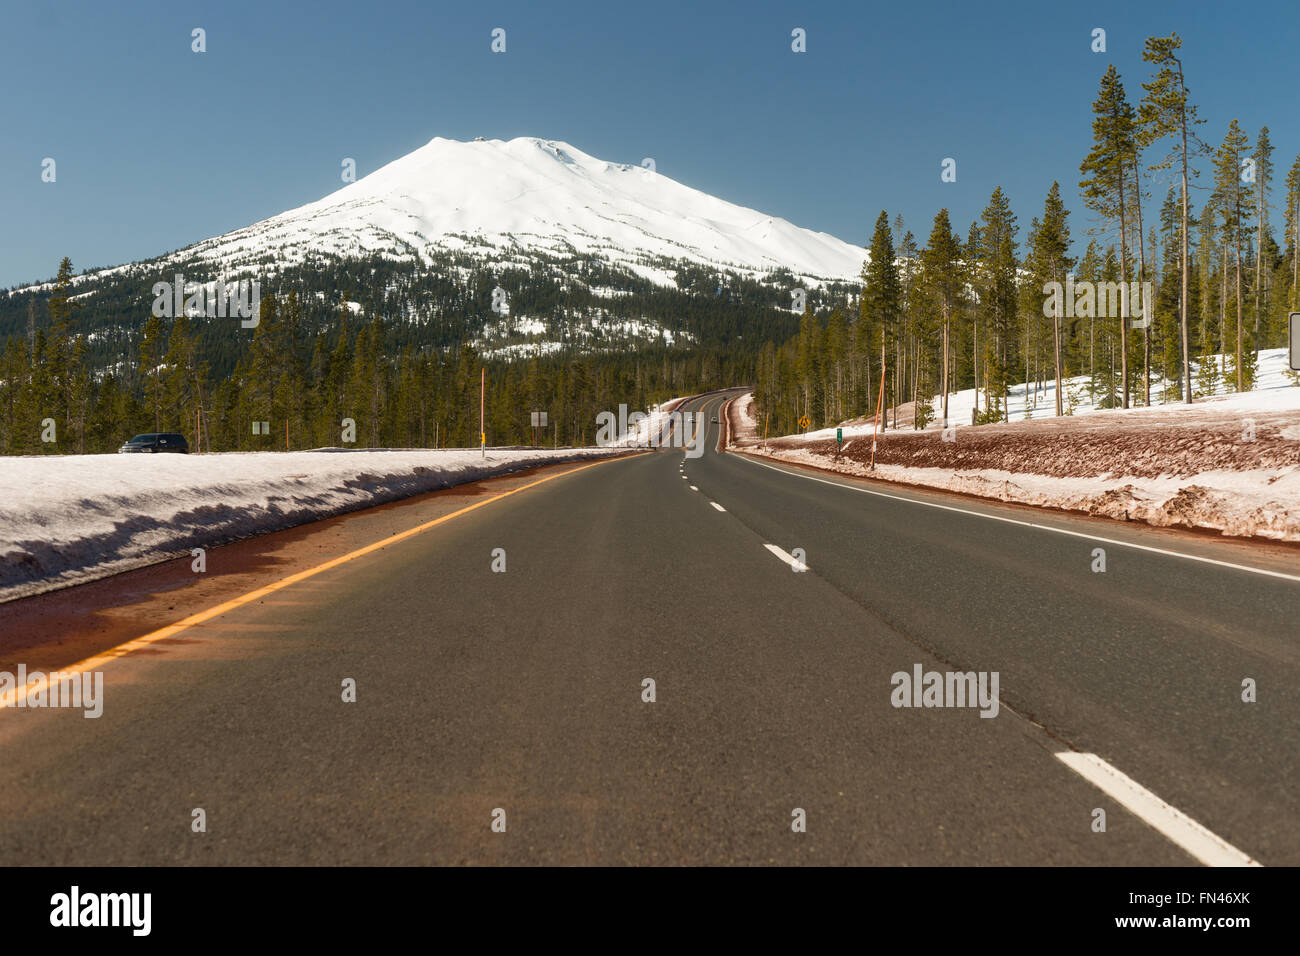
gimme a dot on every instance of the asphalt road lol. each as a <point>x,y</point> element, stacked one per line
<point>523,691</point>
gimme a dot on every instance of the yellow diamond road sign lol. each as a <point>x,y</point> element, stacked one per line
<point>803,421</point>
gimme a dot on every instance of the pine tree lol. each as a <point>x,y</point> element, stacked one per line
<point>1110,272</point>
<point>882,292</point>
<point>1263,157</point>
<point>1049,261</point>
<point>41,392</point>
<point>60,306</point>
<point>1293,229</point>
<point>147,368</point>
<point>1106,171</point>
<point>995,283</point>
<point>1207,290</point>
<point>942,272</point>
<point>1140,196</point>
<point>333,401</point>
<point>182,378</point>
<point>1236,197</point>
<point>836,353</point>
<point>1167,111</point>
<point>997,273</point>
<point>15,383</point>
<point>1090,271</point>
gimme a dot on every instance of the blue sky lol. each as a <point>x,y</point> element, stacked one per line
<point>158,147</point>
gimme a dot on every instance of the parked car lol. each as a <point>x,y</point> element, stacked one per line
<point>153,443</point>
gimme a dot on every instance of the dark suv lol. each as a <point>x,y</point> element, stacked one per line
<point>153,443</point>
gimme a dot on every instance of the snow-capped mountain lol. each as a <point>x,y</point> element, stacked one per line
<point>518,247</point>
<point>533,195</point>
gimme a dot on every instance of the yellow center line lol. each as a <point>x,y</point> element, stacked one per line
<point>10,697</point>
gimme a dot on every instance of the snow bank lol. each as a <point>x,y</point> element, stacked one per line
<point>67,519</point>
<point>1253,503</point>
<point>743,423</point>
<point>1229,464</point>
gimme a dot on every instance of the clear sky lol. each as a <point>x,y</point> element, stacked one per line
<point>157,146</point>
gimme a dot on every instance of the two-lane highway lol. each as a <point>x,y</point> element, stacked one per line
<point>614,666</point>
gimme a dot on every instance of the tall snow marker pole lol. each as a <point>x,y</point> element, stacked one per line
<point>482,406</point>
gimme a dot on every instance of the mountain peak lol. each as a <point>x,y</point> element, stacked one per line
<point>540,194</point>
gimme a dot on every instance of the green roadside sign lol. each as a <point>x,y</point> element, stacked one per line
<point>839,436</point>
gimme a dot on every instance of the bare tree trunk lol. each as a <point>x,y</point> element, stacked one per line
<point>1006,406</point>
<point>1056,358</point>
<point>1259,248</point>
<point>1142,276</point>
<point>1241,379</point>
<point>916,380</point>
<point>1028,379</point>
<point>900,378</point>
<point>945,366</point>
<point>1124,272</point>
<point>866,366</point>
<point>1182,304</point>
<point>1223,317</point>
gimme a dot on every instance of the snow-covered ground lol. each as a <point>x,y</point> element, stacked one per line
<point>1227,463</point>
<point>66,519</point>
<point>1274,389</point>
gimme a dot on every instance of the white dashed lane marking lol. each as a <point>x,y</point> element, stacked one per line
<point>1208,847</point>
<point>788,558</point>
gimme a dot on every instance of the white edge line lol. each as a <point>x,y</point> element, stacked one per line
<point>1208,847</point>
<point>1031,524</point>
